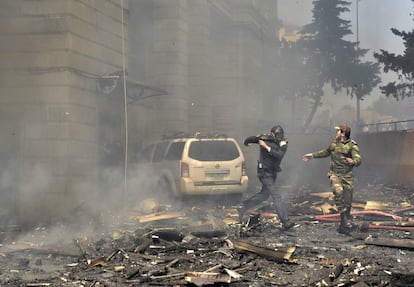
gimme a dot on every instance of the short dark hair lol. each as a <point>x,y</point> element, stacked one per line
<point>345,129</point>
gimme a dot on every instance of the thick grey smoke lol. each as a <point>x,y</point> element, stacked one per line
<point>217,60</point>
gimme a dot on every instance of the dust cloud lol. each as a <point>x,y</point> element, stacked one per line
<point>98,195</point>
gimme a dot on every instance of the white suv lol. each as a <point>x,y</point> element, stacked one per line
<point>195,165</point>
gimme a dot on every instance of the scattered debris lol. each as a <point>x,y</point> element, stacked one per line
<point>204,245</point>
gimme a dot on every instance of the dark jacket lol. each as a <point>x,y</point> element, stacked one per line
<point>269,162</point>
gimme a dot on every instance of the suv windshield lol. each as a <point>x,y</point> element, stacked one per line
<point>213,150</point>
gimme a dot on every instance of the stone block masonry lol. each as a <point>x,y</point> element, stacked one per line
<point>51,53</point>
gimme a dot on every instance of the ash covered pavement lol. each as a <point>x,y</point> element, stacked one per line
<point>200,243</point>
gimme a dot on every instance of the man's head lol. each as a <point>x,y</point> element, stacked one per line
<point>345,130</point>
<point>277,133</point>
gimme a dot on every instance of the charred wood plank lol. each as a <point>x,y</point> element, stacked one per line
<point>319,277</point>
<point>143,246</point>
<point>400,211</point>
<point>336,272</point>
<point>209,234</point>
<point>360,284</point>
<point>402,277</point>
<point>325,208</point>
<point>56,252</point>
<point>168,276</point>
<point>376,205</point>
<point>207,278</point>
<point>326,194</point>
<point>280,255</point>
<point>108,258</point>
<point>397,243</point>
<point>134,273</point>
<point>151,275</point>
<point>98,262</point>
<point>233,274</point>
<point>169,235</point>
<point>218,266</point>
<point>172,263</point>
<point>159,216</point>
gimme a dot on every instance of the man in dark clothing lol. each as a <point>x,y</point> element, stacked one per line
<point>273,147</point>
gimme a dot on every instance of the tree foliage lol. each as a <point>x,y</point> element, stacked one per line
<point>403,65</point>
<point>330,59</point>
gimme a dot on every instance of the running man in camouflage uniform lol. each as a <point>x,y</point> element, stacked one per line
<point>344,153</point>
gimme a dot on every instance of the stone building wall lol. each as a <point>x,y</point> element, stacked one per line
<point>51,53</point>
<point>212,57</point>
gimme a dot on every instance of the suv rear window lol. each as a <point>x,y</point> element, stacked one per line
<point>175,151</point>
<point>213,150</point>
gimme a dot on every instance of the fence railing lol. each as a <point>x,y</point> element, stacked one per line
<point>388,126</point>
<point>362,128</point>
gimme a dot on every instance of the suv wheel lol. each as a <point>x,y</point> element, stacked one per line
<point>164,190</point>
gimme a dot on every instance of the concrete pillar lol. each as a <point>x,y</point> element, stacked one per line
<point>199,70</point>
<point>170,54</point>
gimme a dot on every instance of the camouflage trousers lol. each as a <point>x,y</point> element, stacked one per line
<point>342,188</point>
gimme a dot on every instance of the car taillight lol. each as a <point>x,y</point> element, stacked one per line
<point>185,171</point>
<point>243,168</point>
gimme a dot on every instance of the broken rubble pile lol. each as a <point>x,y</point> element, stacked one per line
<point>204,245</point>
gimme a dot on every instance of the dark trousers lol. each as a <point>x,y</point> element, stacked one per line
<point>268,189</point>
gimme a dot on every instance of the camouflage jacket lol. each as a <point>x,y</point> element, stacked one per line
<point>339,151</point>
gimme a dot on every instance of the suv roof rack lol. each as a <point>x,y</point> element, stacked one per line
<point>175,135</point>
<point>217,135</point>
<point>197,135</point>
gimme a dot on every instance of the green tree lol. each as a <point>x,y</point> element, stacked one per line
<point>403,65</point>
<point>330,59</point>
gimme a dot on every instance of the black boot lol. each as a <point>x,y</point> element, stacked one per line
<point>241,209</point>
<point>350,219</point>
<point>346,226</point>
<point>348,214</point>
<point>287,225</point>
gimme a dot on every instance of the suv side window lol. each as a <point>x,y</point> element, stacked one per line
<point>175,152</point>
<point>146,154</point>
<point>160,151</point>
